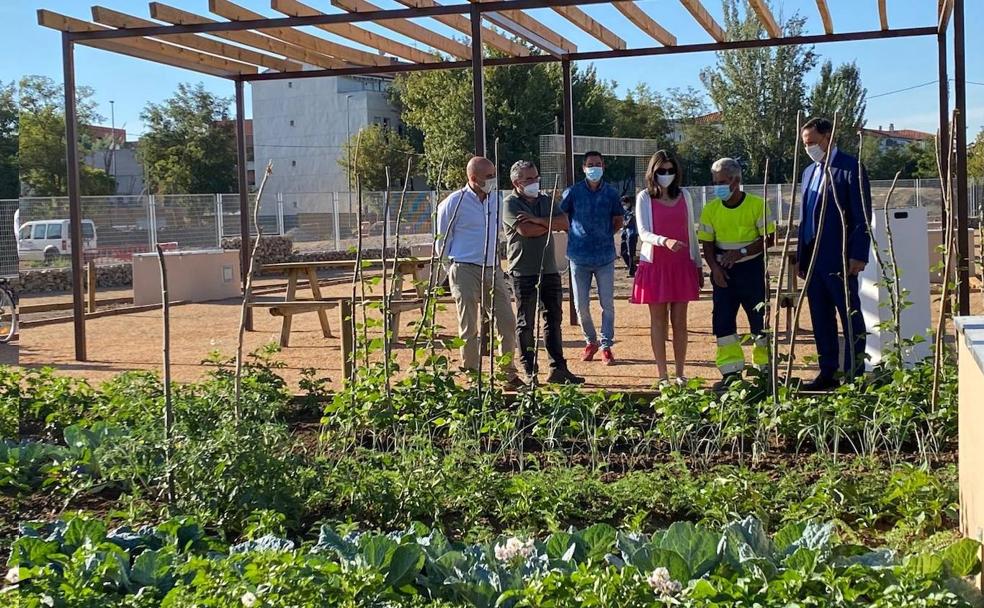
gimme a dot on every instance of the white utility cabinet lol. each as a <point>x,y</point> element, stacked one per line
<point>192,276</point>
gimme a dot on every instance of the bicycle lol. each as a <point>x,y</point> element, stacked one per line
<point>8,311</point>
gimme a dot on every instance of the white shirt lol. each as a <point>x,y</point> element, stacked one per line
<point>467,225</point>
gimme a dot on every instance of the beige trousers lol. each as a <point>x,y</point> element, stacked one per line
<point>466,289</point>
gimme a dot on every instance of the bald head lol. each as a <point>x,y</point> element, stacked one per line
<point>481,173</point>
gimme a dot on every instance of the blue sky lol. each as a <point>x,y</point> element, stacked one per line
<point>886,66</point>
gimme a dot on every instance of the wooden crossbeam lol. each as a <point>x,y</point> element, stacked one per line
<point>409,29</point>
<point>520,24</point>
<point>117,19</point>
<point>144,48</point>
<point>828,23</point>
<point>645,23</point>
<point>764,13</point>
<point>883,14</point>
<point>234,12</point>
<point>176,16</point>
<point>463,24</point>
<point>589,25</point>
<point>293,8</point>
<point>944,9</point>
<point>705,19</point>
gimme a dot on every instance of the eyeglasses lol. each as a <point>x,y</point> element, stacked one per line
<point>665,172</point>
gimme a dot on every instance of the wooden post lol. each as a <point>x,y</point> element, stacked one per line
<point>346,323</point>
<point>91,287</point>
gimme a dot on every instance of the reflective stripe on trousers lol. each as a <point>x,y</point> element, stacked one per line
<point>730,358</point>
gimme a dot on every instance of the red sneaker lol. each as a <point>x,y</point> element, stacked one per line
<point>589,352</point>
<point>607,356</point>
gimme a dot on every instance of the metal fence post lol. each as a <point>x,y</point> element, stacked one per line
<point>918,199</point>
<point>219,227</point>
<point>335,221</point>
<point>280,213</point>
<point>152,221</point>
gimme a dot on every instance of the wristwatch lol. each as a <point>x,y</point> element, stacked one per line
<point>743,251</point>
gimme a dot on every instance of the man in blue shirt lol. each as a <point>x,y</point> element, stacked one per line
<point>595,213</point>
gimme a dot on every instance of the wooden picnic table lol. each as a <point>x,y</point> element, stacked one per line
<point>413,267</point>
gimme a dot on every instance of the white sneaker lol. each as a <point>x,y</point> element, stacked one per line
<point>681,380</point>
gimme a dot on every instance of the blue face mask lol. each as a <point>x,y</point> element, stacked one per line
<point>594,173</point>
<point>721,191</point>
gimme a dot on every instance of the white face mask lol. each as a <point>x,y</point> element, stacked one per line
<point>665,180</point>
<point>532,189</point>
<point>815,152</point>
<point>490,185</point>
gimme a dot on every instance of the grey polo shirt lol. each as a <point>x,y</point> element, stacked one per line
<point>524,253</point>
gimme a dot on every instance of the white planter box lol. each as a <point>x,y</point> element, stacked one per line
<point>192,276</point>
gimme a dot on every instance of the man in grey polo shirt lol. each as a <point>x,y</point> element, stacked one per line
<point>528,221</point>
<point>467,227</point>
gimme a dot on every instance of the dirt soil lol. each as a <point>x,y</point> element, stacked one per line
<point>133,341</point>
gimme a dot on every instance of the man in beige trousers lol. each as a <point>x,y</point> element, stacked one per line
<point>467,226</point>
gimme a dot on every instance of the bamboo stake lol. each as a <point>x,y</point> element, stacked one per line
<point>765,258</point>
<point>783,262</point>
<point>845,281</point>
<point>399,221</point>
<point>896,292</point>
<point>248,291</point>
<point>357,271</point>
<point>938,346</point>
<point>387,347</point>
<point>867,216</point>
<point>168,405</point>
<point>539,287</point>
<point>496,270</point>
<point>362,278</point>
<point>813,258</point>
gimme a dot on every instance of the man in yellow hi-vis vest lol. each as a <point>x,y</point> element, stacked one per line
<point>735,228</point>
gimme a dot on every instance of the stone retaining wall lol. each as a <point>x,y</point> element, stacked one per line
<point>49,280</point>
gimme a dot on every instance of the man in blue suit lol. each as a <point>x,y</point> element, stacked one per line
<point>826,237</point>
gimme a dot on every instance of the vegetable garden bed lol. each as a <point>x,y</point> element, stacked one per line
<point>560,498</point>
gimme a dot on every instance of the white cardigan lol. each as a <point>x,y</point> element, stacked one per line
<point>648,233</point>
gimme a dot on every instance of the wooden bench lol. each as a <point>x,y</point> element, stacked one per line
<point>290,305</point>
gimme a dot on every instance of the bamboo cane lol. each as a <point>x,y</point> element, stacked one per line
<point>783,262</point>
<point>896,297</point>
<point>496,270</point>
<point>539,286</point>
<point>248,291</point>
<point>765,257</point>
<point>947,188</point>
<point>168,406</point>
<point>845,282</point>
<point>813,259</point>
<point>357,271</point>
<point>865,205</point>
<point>386,294</point>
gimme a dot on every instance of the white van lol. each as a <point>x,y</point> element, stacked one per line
<point>48,240</point>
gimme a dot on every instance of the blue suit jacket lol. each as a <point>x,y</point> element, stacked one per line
<point>853,193</point>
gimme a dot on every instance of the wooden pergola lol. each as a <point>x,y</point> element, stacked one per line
<point>245,46</point>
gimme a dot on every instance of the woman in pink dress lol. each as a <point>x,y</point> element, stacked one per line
<point>670,274</point>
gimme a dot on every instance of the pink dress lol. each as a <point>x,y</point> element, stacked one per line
<point>671,276</point>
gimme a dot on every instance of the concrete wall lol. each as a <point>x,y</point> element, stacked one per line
<point>970,345</point>
<point>325,112</point>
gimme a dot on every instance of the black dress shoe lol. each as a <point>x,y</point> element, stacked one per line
<point>821,383</point>
<point>722,385</point>
<point>564,376</point>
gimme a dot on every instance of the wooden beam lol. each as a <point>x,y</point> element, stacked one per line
<point>234,12</point>
<point>293,8</point>
<point>524,26</point>
<point>645,23</point>
<point>176,16</point>
<point>705,19</point>
<point>944,9</point>
<point>883,14</point>
<point>764,13</point>
<point>409,29</point>
<point>117,19</point>
<point>490,37</point>
<point>589,25</point>
<point>151,50</point>
<point>828,23</point>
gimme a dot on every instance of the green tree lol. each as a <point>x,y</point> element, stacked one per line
<point>642,114</point>
<point>839,91</point>
<point>975,156</point>
<point>9,127</point>
<point>914,160</point>
<point>41,142</point>
<point>522,103</point>
<point>190,144</point>
<point>701,143</point>
<point>759,92</point>
<point>379,147</point>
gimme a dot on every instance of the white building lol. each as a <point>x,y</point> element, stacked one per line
<point>302,126</point>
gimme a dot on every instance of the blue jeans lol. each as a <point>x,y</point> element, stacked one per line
<point>605,277</point>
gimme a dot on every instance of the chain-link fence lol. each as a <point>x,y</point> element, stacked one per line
<point>117,227</point>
